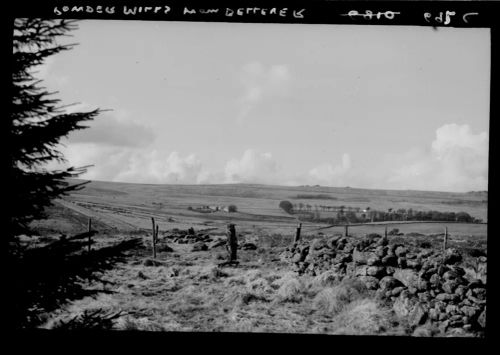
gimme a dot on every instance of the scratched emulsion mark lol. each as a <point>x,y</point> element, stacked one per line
<point>369,15</point>
<point>186,11</point>
<point>445,17</point>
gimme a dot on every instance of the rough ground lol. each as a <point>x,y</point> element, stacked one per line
<point>185,290</point>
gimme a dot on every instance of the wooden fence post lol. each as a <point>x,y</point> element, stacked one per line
<point>232,242</point>
<point>346,232</point>
<point>90,236</point>
<point>297,233</point>
<point>445,241</point>
<point>386,231</point>
<point>154,238</point>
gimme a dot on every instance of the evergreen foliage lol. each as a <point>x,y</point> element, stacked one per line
<point>37,122</point>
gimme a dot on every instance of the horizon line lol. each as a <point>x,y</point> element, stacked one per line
<point>282,186</point>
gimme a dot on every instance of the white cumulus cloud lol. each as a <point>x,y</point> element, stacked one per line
<point>457,161</point>
<point>329,174</point>
<point>113,163</point>
<point>252,167</point>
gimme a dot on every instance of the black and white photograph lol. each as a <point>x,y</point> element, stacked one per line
<point>249,177</point>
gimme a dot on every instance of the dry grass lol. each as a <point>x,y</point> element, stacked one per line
<point>332,300</point>
<point>291,289</point>
<point>363,316</point>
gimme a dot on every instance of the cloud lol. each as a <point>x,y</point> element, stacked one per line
<point>457,161</point>
<point>154,167</point>
<point>252,167</point>
<point>113,163</point>
<point>331,175</point>
<point>261,83</point>
<point>108,129</point>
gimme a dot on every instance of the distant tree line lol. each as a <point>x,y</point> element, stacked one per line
<point>315,197</point>
<point>348,214</point>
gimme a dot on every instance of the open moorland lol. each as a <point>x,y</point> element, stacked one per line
<point>327,282</point>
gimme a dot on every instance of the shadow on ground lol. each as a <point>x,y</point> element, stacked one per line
<point>45,278</point>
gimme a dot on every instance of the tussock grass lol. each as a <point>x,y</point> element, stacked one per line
<point>234,281</point>
<point>260,286</point>
<point>140,324</point>
<point>319,282</point>
<point>426,330</point>
<point>241,297</point>
<point>333,300</point>
<point>362,316</point>
<point>291,290</point>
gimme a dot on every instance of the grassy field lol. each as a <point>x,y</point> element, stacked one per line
<point>127,207</point>
<point>184,290</point>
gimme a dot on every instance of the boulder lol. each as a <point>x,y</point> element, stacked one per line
<point>460,291</point>
<point>381,251</point>
<point>406,276</point>
<point>414,264</point>
<point>425,253</point>
<point>449,286</point>
<point>421,284</point>
<point>390,260</point>
<point>296,258</point>
<point>360,270</point>
<point>479,293</point>
<point>376,271</point>
<point>318,244</point>
<point>152,262</point>
<point>388,283</point>
<point>451,256</point>
<point>433,314</point>
<point>397,291</point>
<point>471,312</point>
<point>372,238</point>
<point>331,242</point>
<point>349,247</point>
<point>435,281</point>
<point>476,283</point>
<point>403,305</point>
<point>424,296</point>
<point>451,309</point>
<point>199,246</point>
<point>383,241</point>
<point>389,270</point>
<point>481,320</point>
<point>418,314</point>
<point>402,262</point>
<point>371,282</point>
<point>444,297</point>
<point>373,260</point>
<point>343,258</point>
<point>427,272</point>
<point>249,246</point>
<point>450,275</point>
<point>164,248</point>
<point>360,257</point>
<point>410,256</point>
<point>400,251</point>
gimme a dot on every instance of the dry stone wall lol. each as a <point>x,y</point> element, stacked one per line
<point>423,285</point>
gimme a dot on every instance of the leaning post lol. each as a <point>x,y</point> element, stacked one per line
<point>232,242</point>
<point>445,240</point>
<point>154,238</point>
<point>297,232</point>
<point>90,235</point>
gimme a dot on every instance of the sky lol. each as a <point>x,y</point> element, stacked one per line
<point>397,107</point>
